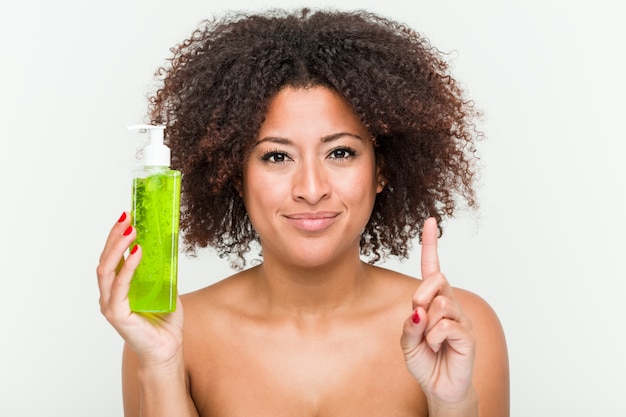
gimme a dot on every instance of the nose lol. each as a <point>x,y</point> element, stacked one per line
<point>311,183</point>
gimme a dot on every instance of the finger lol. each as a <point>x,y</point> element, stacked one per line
<point>121,284</point>
<point>112,257</point>
<point>117,307</point>
<point>430,288</point>
<point>444,308</point>
<point>457,336</point>
<point>413,331</point>
<point>114,235</point>
<point>430,257</point>
<point>111,263</point>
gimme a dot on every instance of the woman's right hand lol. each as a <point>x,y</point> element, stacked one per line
<point>156,339</point>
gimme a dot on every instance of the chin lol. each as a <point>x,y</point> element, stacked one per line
<point>319,258</point>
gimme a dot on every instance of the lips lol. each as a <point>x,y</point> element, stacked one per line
<point>312,222</point>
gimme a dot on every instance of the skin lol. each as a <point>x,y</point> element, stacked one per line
<point>312,330</point>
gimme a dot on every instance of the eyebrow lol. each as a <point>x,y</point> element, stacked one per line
<point>324,139</point>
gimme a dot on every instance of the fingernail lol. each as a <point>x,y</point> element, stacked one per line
<point>122,218</point>
<point>128,231</point>
<point>415,317</point>
<point>134,249</point>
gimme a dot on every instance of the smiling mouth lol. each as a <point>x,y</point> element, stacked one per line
<point>312,222</point>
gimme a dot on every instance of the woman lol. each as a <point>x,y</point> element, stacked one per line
<point>324,137</point>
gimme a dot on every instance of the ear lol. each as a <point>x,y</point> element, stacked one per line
<point>381,179</point>
<point>381,185</point>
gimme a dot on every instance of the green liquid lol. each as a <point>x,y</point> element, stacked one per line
<point>155,215</point>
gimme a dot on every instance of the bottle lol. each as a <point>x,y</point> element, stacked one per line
<point>155,215</point>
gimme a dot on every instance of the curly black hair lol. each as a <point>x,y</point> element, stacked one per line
<point>215,91</point>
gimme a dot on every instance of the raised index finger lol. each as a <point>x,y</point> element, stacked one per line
<point>430,258</point>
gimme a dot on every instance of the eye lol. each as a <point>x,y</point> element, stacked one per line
<point>275,157</point>
<point>342,153</point>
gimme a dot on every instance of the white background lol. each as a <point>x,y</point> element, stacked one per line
<point>546,248</point>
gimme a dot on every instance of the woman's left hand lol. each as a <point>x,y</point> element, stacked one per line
<point>437,340</point>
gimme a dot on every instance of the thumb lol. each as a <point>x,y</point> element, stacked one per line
<point>413,332</point>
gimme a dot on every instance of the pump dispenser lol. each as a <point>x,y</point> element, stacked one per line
<point>155,215</point>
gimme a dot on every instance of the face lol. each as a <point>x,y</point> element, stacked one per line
<point>310,182</point>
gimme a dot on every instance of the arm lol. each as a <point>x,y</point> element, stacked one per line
<point>454,345</point>
<point>153,370</point>
<point>161,390</point>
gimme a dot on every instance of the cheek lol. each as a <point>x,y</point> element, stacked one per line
<point>357,186</point>
<point>261,192</point>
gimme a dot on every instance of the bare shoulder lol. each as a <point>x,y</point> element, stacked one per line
<point>215,307</point>
<point>485,322</point>
<point>210,314</point>
<point>491,365</point>
<point>478,310</point>
<point>394,279</point>
<point>476,307</point>
<point>486,325</point>
<point>221,294</point>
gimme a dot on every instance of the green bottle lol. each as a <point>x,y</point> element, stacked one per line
<point>155,215</point>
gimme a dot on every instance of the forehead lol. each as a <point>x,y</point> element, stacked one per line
<point>309,111</point>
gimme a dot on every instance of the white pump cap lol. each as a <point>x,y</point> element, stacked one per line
<point>155,153</point>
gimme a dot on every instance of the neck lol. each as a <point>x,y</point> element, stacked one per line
<point>311,291</point>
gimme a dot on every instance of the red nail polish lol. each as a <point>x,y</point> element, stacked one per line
<point>134,249</point>
<point>122,218</point>
<point>128,231</point>
<point>415,317</point>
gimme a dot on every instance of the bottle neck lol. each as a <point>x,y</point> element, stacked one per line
<point>156,168</point>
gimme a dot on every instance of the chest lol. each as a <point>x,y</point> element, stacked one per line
<point>253,370</point>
